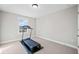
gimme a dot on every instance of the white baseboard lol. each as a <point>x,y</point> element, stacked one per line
<point>8,41</point>
<point>12,40</point>
<point>69,45</point>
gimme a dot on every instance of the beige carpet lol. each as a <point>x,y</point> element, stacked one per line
<point>49,48</point>
<point>12,48</point>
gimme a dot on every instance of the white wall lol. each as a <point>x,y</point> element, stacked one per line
<point>78,25</point>
<point>0,26</point>
<point>10,28</point>
<point>59,26</point>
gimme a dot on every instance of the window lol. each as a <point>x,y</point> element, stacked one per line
<point>22,21</point>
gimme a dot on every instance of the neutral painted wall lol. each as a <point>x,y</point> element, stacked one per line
<point>0,26</point>
<point>78,29</point>
<point>59,26</point>
<point>78,25</point>
<point>10,28</point>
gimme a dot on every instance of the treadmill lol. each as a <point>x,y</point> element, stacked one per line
<point>30,44</point>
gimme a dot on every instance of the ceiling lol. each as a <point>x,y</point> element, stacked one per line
<point>28,10</point>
